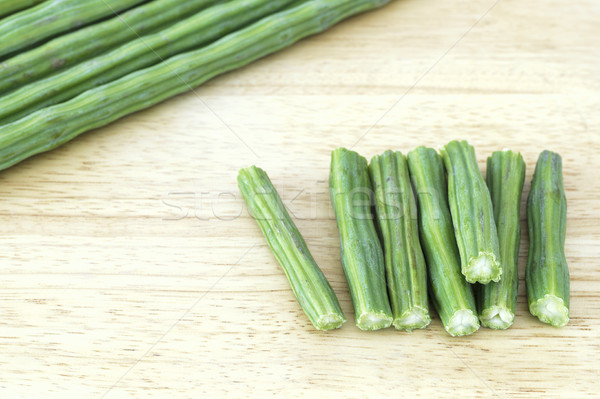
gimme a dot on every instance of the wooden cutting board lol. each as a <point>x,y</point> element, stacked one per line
<point>130,267</point>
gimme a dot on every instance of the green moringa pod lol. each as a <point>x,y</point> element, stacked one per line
<point>450,293</point>
<point>192,32</point>
<point>472,214</point>
<point>405,267</point>
<point>50,127</point>
<point>8,7</point>
<point>361,254</point>
<point>312,290</point>
<point>52,17</point>
<point>547,273</point>
<point>70,48</point>
<point>505,176</point>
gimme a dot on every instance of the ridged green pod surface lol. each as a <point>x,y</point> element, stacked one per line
<point>50,127</point>
<point>361,254</point>
<point>396,210</point>
<point>52,17</point>
<point>505,176</point>
<point>201,28</point>
<point>68,49</point>
<point>311,288</point>
<point>547,273</point>
<point>8,7</point>
<point>472,214</point>
<point>451,295</point>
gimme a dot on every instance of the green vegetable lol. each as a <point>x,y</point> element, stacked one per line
<point>362,258</point>
<point>8,7</point>
<point>205,26</point>
<point>547,273</point>
<point>472,214</point>
<point>313,292</point>
<point>52,17</point>
<point>89,41</point>
<point>452,296</point>
<point>405,267</point>
<point>50,127</point>
<point>505,176</point>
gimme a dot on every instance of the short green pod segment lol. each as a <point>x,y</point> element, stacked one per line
<point>361,254</point>
<point>472,214</point>
<point>311,288</point>
<point>451,295</point>
<point>396,210</point>
<point>505,176</point>
<point>547,273</point>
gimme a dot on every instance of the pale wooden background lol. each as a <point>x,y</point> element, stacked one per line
<point>126,271</point>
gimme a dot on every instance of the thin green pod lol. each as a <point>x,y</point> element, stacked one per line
<point>71,48</point>
<point>361,254</point>
<point>547,273</point>
<point>201,28</point>
<point>451,295</point>
<point>52,17</point>
<point>396,210</point>
<point>505,176</point>
<point>8,7</point>
<point>311,288</point>
<point>50,127</point>
<point>472,214</point>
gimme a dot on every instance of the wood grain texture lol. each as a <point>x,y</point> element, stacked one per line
<point>130,267</point>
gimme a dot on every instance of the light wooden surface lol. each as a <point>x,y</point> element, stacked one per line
<point>130,267</point>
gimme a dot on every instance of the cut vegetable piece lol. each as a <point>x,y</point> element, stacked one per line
<point>52,126</point>
<point>201,28</point>
<point>406,272</point>
<point>311,288</point>
<point>53,17</point>
<point>547,274</point>
<point>505,176</point>
<point>362,258</point>
<point>68,49</point>
<point>472,214</point>
<point>451,295</point>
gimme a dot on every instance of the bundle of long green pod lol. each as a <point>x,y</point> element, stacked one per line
<point>472,214</point>
<point>8,7</point>
<point>450,293</point>
<point>311,288</point>
<point>203,27</point>
<point>52,17</point>
<point>50,127</point>
<point>396,210</point>
<point>361,254</point>
<point>68,49</point>
<point>547,273</point>
<point>497,301</point>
